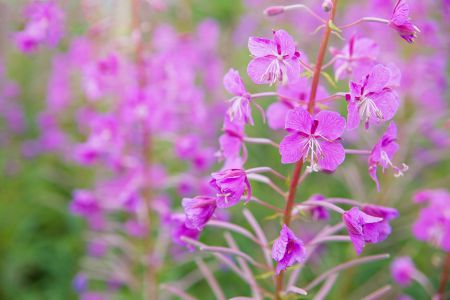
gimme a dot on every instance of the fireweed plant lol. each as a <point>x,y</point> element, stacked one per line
<point>140,112</point>
<point>313,143</point>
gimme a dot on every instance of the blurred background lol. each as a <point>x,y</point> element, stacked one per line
<point>43,244</point>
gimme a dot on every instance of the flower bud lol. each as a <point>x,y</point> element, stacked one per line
<point>327,5</point>
<point>274,10</point>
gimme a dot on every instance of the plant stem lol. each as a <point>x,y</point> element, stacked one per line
<point>298,167</point>
<point>444,277</point>
<point>149,282</point>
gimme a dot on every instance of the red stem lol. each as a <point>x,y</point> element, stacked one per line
<point>298,167</point>
<point>444,277</point>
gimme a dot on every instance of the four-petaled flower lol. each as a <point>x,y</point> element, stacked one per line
<point>240,106</point>
<point>230,185</point>
<point>198,211</point>
<point>357,226</point>
<point>401,22</point>
<point>371,99</point>
<point>275,60</point>
<point>382,154</point>
<point>316,138</point>
<point>287,249</point>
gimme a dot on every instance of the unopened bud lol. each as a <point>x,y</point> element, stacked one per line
<point>327,5</point>
<point>274,10</point>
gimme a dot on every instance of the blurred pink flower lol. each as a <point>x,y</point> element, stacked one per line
<point>402,270</point>
<point>45,25</point>
<point>356,59</point>
<point>433,224</point>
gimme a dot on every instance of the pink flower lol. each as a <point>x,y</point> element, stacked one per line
<point>433,224</point>
<point>382,228</point>
<point>198,211</point>
<point>231,141</point>
<point>371,99</point>
<point>357,58</point>
<point>240,106</point>
<point>318,212</point>
<point>179,230</point>
<point>45,25</point>
<point>287,249</point>
<point>383,153</point>
<point>400,21</point>
<point>136,229</point>
<point>275,60</point>
<point>402,270</point>
<point>316,138</point>
<point>230,185</point>
<point>358,228</point>
<point>84,203</point>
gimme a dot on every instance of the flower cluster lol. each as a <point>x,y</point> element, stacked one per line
<point>44,26</point>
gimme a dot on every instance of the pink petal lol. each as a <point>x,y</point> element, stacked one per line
<point>285,42</point>
<point>293,69</point>
<point>260,47</point>
<point>276,115</point>
<point>333,155</point>
<point>388,103</point>
<point>233,83</point>
<point>257,68</point>
<point>331,124</point>
<point>353,117</point>
<point>378,79</point>
<point>401,12</point>
<point>298,119</point>
<point>292,148</point>
<point>365,47</point>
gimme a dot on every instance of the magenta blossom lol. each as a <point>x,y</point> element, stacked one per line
<point>275,60</point>
<point>383,153</point>
<point>383,228</point>
<point>357,226</point>
<point>316,138</point>
<point>240,106</point>
<point>84,203</point>
<point>45,25</point>
<point>287,249</point>
<point>198,211</point>
<point>356,58</point>
<point>401,22</point>
<point>230,184</point>
<point>179,230</point>
<point>433,224</point>
<point>403,270</point>
<point>231,141</point>
<point>371,99</point>
<point>319,212</point>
